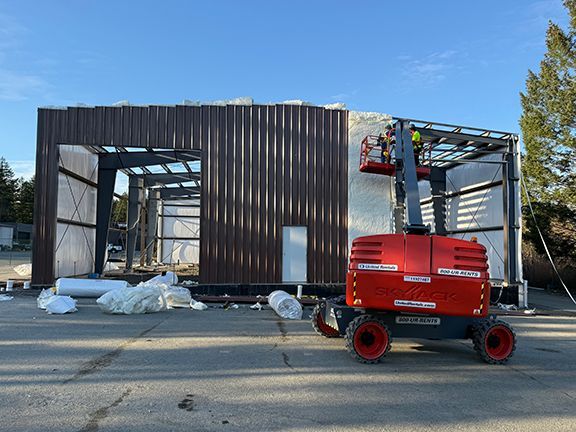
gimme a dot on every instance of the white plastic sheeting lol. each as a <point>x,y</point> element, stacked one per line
<point>180,251</point>
<point>477,210</point>
<point>370,199</point>
<point>79,160</point>
<point>180,225</point>
<point>133,300</point>
<point>77,202</point>
<point>74,255</point>
<point>70,190</point>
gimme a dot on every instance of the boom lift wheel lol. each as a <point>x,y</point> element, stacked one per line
<point>320,325</point>
<point>495,341</point>
<point>368,339</point>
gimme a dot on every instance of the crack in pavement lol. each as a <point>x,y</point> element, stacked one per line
<point>282,328</point>
<point>105,360</point>
<point>100,414</point>
<point>286,360</point>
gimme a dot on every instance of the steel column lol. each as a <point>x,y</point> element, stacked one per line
<point>106,181</point>
<point>134,197</point>
<point>153,201</point>
<point>438,190</point>
<point>45,198</point>
<point>512,224</point>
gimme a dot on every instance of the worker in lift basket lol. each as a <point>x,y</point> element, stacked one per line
<point>416,144</point>
<point>387,143</point>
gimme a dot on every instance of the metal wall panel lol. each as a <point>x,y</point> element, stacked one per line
<point>263,166</point>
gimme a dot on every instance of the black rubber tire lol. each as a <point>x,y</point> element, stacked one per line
<point>320,326</point>
<point>482,338</point>
<point>357,325</point>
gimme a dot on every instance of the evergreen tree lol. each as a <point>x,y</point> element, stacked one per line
<point>120,209</point>
<point>8,192</point>
<point>548,126</point>
<point>25,203</point>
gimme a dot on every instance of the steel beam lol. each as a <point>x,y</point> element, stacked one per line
<point>155,179</point>
<point>106,181</point>
<point>135,192</point>
<point>178,191</point>
<point>117,160</point>
<point>461,137</point>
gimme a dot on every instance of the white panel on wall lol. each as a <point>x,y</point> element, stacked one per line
<point>180,227</point>
<point>474,174</point>
<point>79,160</point>
<point>186,202</point>
<point>181,211</point>
<point>75,248</point>
<point>370,199</point>
<point>180,251</point>
<point>181,222</point>
<point>72,193</point>
<point>75,244</point>
<point>475,210</point>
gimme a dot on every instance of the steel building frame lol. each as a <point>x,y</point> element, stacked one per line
<point>450,145</point>
<point>263,166</point>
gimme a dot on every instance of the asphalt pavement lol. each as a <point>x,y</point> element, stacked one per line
<point>244,370</point>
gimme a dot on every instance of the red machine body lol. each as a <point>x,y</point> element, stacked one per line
<point>424,274</point>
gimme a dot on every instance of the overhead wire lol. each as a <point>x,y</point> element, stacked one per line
<point>543,240</point>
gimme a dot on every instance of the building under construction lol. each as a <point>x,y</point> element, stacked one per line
<point>258,194</point>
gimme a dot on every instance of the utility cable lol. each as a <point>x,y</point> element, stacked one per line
<point>542,238</point>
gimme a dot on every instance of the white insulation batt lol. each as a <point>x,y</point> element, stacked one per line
<point>370,196</point>
<point>76,202</point>
<point>179,223</point>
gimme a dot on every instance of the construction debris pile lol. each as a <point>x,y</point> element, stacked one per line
<point>160,293</point>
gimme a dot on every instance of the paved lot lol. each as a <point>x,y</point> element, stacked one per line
<point>244,370</point>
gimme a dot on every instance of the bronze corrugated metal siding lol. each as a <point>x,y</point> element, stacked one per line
<point>263,167</point>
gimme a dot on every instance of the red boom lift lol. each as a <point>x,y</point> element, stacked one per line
<point>414,284</point>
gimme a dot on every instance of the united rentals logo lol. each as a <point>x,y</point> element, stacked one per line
<point>377,267</point>
<point>417,293</point>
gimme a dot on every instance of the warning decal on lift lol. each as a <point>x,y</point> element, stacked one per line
<point>415,304</point>
<point>417,320</point>
<point>421,279</point>
<point>454,272</point>
<point>379,267</point>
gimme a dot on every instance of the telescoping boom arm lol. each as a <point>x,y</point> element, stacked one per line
<point>407,194</point>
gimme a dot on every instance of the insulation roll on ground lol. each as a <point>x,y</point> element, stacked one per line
<point>87,287</point>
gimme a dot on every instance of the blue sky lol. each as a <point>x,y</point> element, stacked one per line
<point>450,61</point>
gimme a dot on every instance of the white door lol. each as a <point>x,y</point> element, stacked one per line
<point>294,253</point>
